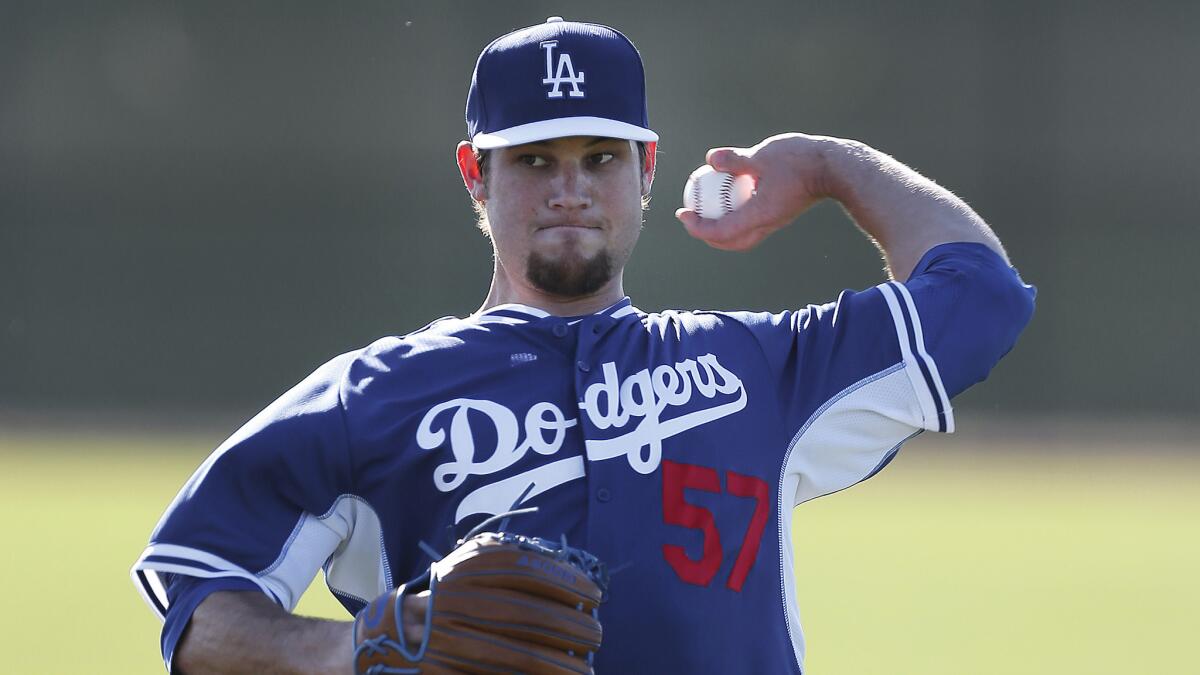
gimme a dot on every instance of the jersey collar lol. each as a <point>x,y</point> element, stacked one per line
<point>518,312</point>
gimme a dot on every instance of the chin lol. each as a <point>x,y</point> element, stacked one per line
<point>569,275</point>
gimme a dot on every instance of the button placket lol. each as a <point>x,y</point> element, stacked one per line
<point>587,342</point>
<point>584,340</point>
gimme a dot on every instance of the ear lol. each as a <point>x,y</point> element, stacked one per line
<point>468,166</point>
<point>648,170</point>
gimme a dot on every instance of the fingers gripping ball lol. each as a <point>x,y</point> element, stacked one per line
<point>498,603</point>
<point>713,193</point>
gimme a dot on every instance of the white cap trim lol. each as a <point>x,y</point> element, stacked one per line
<point>558,128</point>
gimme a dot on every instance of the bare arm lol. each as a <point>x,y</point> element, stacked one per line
<point>903,212</point>
<point>245,632</point>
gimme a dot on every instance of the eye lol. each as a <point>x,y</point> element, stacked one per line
<point>603,157</point>
<point>532,160</point>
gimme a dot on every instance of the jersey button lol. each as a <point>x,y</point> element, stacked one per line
<point>560,330</point>
<point>603,495</point>
<point>583,366</point>
<point>597,328</point>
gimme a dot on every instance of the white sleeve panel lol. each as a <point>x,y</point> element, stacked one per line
<point>852,435</point>
<point>347,540</point>
<point>843,443</point>
<point>359,567</point>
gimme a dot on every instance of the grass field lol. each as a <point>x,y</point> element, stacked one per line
<point>959,559</point>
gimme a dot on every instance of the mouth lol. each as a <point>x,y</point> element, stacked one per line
<point>566,226</point>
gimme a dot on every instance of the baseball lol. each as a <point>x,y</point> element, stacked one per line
<point>713,193</point>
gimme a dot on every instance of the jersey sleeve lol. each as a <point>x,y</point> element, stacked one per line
<point>856,378</point>
<point>185,594</point>
<point>260,508</point>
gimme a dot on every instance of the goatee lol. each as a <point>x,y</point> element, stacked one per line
<point>569,277</point>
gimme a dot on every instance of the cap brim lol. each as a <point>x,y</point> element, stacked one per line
<point>558,128</point>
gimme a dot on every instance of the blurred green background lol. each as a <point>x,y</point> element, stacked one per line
<point>202,201</point>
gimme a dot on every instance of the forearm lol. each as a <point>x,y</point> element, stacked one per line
<point>905,213</point>
<point>244,632</point>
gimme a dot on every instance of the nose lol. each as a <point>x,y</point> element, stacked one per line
<point>571,188</point>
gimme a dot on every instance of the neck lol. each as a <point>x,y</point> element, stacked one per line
<point>505,291</point>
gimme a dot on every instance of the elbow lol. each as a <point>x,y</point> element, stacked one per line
<point>1013,302</point>
<point>1002,307</point>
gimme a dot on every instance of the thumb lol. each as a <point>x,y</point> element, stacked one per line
<point>732,160</point>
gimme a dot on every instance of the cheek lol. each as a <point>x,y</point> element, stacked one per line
<point>624,212</point>
<point>511,203</point>
<point>627,200</point>
<point>619,191</point>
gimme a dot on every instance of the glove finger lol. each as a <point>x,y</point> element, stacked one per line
<point>479,651</point>
<point>531,573</point>
<point>437,667</point>
<point>521,617</point>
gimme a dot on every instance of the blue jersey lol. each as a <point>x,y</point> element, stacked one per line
<point>673,445</point>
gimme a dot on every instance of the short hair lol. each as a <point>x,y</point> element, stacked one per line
<point>482,157</point>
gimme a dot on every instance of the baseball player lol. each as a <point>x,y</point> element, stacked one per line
<point>673,445</point>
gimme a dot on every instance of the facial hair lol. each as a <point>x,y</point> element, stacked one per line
<point>569,277</point>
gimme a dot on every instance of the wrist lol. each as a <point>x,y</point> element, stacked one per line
<point>342,658</point>
<point>845,161</point>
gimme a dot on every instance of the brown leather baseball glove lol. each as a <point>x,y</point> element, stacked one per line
<point>498,603</point>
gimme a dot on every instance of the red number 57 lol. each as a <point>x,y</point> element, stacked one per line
<point>677,511</point>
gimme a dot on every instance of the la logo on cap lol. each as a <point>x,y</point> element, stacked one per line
<point>529,85</point>
<point>563,74</point>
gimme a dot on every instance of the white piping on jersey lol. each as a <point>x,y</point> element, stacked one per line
<point>509,320</point>
<point>516,307</point>
<point>924,395</point>
<point>929,362</point>
<point>188,561</point>
<point>535,313</point>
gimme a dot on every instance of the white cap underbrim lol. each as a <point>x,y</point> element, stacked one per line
<point>558,128</point>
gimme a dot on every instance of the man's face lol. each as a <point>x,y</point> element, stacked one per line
<point>565,213</point>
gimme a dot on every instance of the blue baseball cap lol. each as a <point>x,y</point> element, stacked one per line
<point>559,78</point>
